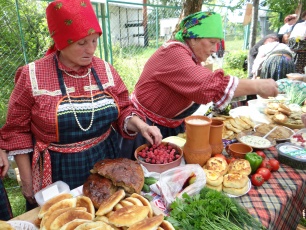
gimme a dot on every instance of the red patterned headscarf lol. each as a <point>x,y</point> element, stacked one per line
<point>70,21</point>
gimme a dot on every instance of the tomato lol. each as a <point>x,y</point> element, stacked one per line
<point>274,164</point>
<point>230,159</point>
<point>261,153</point>
<point>257,179</point>
<point>265,164</point>
<point>264,172</point>
<point>220,155</point>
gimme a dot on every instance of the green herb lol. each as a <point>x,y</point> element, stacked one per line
<point>295,93</point>
<point>210,210</point>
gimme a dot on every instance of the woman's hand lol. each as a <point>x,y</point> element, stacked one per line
<point>27,191</point>
<point>25,172</point>
<point>4,164</point>
<point>267,88</point>
<point>151,133</point>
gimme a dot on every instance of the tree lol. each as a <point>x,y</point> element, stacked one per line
<point>23,39</point>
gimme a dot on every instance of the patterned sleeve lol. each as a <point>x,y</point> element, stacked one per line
<point>121,95</point>
<point>16,134</point>
<point>194,81</point>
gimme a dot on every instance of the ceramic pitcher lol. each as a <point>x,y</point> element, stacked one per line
<point>215,136</point>
<point>197,149</point>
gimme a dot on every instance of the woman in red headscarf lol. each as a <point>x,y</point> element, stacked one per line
<point>67,108</point>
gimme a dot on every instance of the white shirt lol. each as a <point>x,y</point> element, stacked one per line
<point>299,30</point>
<point>263,54</point>
<point>286,28</point>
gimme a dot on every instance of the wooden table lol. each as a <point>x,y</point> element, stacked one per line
<point>30,216</point>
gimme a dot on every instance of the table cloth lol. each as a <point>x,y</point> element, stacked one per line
<point>279,202</point>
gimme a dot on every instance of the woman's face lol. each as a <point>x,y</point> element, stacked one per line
<point>79,53</point>
<point>203,47</point>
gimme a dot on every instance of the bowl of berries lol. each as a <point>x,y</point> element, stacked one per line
<point>159,158</point>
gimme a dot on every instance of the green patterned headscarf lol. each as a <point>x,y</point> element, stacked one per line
<point>200,25</point>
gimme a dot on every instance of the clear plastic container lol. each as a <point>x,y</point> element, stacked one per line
<point>51,191</point>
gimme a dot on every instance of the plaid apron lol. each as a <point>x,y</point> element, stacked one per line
<point>71,159</point>
<point>5,207</point>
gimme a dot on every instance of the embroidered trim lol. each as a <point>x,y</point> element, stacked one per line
<point>109,76</point>
<point>34,84</point>
<point>20,151</point>
<point>125,129</point>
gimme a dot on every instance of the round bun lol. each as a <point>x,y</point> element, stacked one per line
<point>217,188</point>
<point>273,105</point>
<point>269,111</point>
<point>236,191</point>
<point>235,180</point>
<point>213,178</point>
<point>280,118</point>
<point>240,166</point>
<point>217,164</point>
<point>284,109</point>
<point>123,172</point>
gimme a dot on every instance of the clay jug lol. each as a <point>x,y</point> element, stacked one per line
<point>215,136</point>
<point>197,149</point>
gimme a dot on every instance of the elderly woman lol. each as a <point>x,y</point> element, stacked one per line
<point>274,60</point>
<point>68,107</point>
<point>174,83</point>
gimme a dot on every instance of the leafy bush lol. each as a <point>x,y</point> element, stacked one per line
<point>235,59</point>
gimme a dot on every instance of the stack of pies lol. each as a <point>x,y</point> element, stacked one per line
<point>214,179</point>
<point>230,178</point>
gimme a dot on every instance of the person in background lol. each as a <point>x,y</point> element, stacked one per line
<point>68,108</point>
<point>254,50</point>
<point>289,21</point>
<point>297,42</point>
<point>303,18</point>
<point>5,206</point>
<point>173,83</point>
<point>274,60</point>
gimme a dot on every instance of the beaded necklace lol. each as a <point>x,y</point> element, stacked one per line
<point>92,101</point>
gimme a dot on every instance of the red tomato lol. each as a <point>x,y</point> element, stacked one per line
<point>220,155</point>
<point>264,172</point>
<point>265,164</point>
<point>257,179</point>
<point>261,153</point>
<point>274,164</point>
<point>230,159</point>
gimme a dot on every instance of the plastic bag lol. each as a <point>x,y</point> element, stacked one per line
<point>171,182</point>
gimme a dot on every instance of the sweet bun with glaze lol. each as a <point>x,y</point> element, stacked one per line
<point>240,166</point>
<point>217,164</point>
<point>213,178</point>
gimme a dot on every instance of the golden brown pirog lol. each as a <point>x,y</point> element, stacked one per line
<point>123,172</point>
<point>98,188</point>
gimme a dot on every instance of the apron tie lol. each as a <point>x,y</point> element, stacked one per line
<point>41,162</point>
<point>170,123</point>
